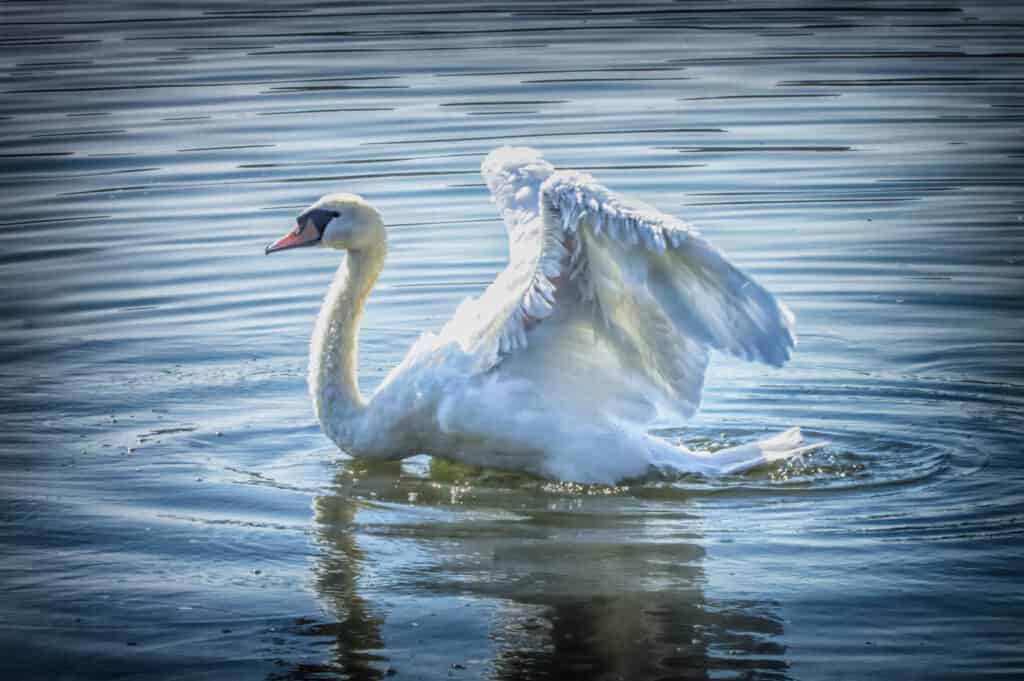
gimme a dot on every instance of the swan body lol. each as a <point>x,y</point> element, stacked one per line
<point>600,326</point>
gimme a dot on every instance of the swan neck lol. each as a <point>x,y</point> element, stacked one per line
<point>333,363</point>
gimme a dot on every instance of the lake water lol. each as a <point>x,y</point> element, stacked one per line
<point>170,508</point>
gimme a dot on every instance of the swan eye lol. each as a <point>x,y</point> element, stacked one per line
<point>319,216</point>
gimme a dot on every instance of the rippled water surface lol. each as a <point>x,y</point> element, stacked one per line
<point>170,508</point>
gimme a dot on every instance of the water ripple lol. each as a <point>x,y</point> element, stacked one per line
<point>168,493</point>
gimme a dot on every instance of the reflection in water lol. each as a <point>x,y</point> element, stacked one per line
<point>569,601</point>
<point>357,630</point>
<point>643,635</point>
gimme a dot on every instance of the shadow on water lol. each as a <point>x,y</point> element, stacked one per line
<point>566,597</point>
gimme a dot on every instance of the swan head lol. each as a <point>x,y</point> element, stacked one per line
<point>340,221</point>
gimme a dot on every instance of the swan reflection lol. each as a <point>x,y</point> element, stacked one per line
<point>552,583</point>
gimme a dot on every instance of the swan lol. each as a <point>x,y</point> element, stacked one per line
<point>599,327</point>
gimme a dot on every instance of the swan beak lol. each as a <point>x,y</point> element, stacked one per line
<point>302,235</point>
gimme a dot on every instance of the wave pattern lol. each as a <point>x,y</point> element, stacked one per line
<point>159,461</point>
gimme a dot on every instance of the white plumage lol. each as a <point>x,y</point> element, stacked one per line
<point>599,326</point>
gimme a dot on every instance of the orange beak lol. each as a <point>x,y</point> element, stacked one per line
<point>302,235</point>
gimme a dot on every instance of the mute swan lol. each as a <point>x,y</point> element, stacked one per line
<point>600,325</point>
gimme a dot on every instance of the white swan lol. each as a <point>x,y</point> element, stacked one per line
<point>600,325</point>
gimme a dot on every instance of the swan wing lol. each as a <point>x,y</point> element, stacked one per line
<point>494,324</point>
<point>636,255</point>
<point>606,299</point>
<point>662,292</point>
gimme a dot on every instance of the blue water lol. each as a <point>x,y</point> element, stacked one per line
<point>170,508</point>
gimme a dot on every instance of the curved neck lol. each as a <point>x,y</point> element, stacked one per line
<point>333,353</point>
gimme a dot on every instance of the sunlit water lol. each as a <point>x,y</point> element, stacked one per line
<point>170,508</point>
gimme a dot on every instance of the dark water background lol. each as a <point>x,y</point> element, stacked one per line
<point>169,508</point>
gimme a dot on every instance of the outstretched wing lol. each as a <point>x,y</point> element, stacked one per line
<point>495,324</point>
<point>638,255</point>
<point>609,299</point>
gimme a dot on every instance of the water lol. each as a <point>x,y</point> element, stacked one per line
<point>170,508</point>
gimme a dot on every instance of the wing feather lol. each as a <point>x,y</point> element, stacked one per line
<point>655,258</point>
<point>650,293</point>
<point>496,323</point>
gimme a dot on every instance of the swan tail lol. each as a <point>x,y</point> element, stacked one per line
<point>785,445</point>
